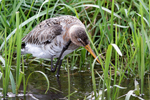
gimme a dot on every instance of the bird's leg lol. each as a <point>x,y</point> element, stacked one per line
<point>52,69</point>
<point>59,59</point>
<point>59,67</point>
<point>59,83</point>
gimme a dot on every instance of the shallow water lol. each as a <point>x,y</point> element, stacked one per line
<point>80,85</point>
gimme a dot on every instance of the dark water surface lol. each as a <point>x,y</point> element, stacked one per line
<point>80,85</point>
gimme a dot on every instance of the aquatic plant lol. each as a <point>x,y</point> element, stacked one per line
<point>108,22</point>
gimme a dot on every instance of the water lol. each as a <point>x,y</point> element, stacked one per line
<point>80,85</point>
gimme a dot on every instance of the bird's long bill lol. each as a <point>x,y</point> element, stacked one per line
<point>88,48</point>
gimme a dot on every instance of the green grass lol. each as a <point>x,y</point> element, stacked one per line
<point>124,23</point>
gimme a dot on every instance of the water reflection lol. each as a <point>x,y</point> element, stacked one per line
<point>79,81</point>
<point>80,85</point>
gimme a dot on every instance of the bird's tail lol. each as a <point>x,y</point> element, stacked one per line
<point>23,51</point>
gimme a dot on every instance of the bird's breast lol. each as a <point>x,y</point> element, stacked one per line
<point>55,48</point>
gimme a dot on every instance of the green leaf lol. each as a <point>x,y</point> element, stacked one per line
<point>137,88</point>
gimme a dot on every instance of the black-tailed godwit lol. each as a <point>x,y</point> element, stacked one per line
<point>55,38</point>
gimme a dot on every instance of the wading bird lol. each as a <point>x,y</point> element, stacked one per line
<point>55,38</point>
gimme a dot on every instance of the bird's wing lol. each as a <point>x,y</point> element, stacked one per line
<point>43,33</point>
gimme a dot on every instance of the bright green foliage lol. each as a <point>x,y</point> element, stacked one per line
<point>125,23</point>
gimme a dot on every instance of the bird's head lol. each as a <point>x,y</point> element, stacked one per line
<point>79,37</point>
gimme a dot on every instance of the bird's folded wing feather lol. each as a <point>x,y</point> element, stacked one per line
<point>43,34</point>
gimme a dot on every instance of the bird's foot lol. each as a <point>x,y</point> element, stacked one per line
<point>57,75</point>
<point>53,70</point>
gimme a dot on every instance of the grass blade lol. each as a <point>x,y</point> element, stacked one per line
<point>18,51</point>
<point>24,23</point>
<point>48,84</point>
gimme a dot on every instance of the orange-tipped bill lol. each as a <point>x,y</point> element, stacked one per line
<point>88,48</point>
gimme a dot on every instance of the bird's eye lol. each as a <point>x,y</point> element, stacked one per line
<point>81,41</point>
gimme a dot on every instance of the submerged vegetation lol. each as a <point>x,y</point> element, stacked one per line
<point>125,23</point>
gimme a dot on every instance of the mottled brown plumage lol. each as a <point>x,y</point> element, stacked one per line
<point>47,30</point>
<point>43,35</point>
